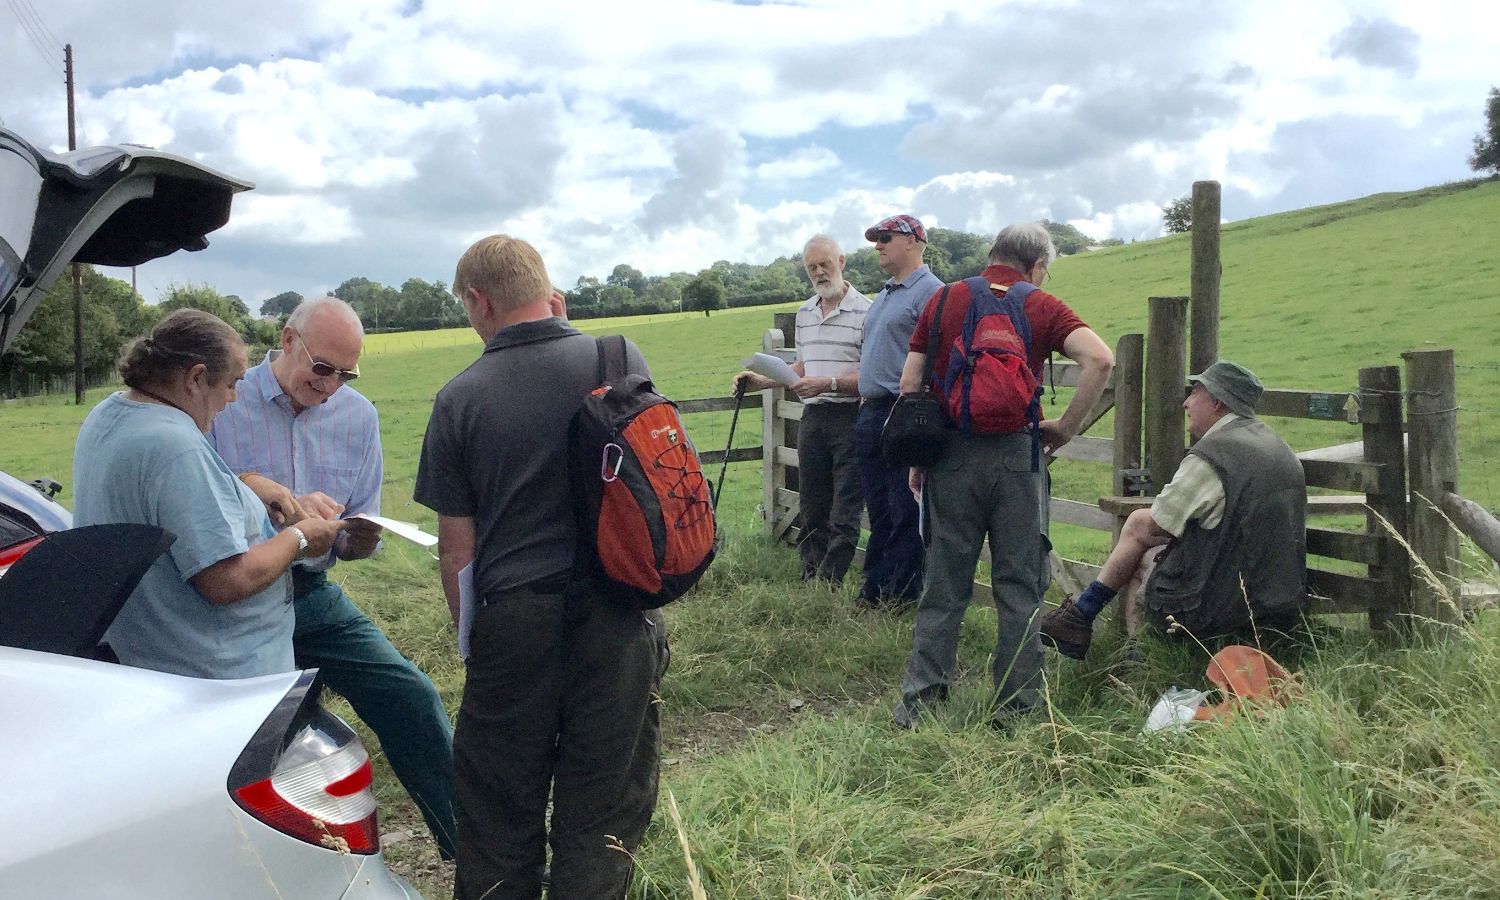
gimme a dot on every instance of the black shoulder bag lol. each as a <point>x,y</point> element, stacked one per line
<point>916,433</point>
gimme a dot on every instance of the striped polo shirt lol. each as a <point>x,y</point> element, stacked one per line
<point>830,346</point>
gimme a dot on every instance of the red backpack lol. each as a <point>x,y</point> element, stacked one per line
<point>989,386</point>
<point>646,525</point>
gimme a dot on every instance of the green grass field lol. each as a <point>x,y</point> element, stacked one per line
<point>1381,780</point>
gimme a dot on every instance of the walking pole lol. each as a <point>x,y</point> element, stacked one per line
<point>739,396</point>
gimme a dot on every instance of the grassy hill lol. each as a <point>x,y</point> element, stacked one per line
<point>1379,781</point>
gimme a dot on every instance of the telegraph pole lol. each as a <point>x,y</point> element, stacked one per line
<point>77,270</point>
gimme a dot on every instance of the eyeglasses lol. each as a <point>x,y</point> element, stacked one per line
<point>884,237</point>
<point>323,369</point>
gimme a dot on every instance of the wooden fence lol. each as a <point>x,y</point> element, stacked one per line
<point>1367,476</point>
<point>1400,473</point>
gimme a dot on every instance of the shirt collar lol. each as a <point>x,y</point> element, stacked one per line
<point>916,275</point>
<point>1228,417</point>
<point>264,380</point>
<point>530,332</point>
<point>850,300</point>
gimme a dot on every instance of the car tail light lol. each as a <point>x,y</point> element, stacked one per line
<point>306,774</point>
<point>10,554</point>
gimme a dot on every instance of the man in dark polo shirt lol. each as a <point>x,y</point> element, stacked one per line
<point>558,701</point>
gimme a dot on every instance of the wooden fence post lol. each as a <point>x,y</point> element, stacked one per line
<point>773,433</point>
<point>1381,427</point>
<point>1206,270</point>
<point>786,323</point>
<point>1129,358</point>
<point>1166,381</point>
<point>1432,464</point>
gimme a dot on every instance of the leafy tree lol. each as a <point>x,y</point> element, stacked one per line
<point>1068,240</point>
<point>1177,216</point>
<point>424,304</point>
<point>1487,142</point>
<point>281,305</point>
<point>45,346</point>
<point>584,297</point>
<point>665,294</point>
<point>204,297</point>
<point>627,276</point>
<point>705,292</point>
<point>378,306</point>
<point>862,269</point>
<point>965,254</point>
<point>346,291</point>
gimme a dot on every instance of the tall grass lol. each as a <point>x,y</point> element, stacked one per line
<point>1379,780</point>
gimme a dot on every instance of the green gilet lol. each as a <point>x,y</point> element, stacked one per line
<point>1256,559</point>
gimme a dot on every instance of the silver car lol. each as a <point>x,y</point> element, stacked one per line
<point>126,783</point>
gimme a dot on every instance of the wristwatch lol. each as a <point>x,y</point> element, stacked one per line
<point>833,384</point>
<point>301,541</point>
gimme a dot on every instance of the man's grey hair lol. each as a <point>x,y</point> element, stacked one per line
<point>1023,246</point>
<point>309,308</point>
<point>826,240</point>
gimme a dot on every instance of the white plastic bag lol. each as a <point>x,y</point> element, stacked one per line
<point>1174,709</point>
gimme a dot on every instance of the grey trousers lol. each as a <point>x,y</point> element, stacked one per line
<point>984,487</point>
<point>829,485</point>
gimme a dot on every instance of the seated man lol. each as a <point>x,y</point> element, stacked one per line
<point>1224,544</point>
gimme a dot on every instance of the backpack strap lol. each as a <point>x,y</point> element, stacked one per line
<point>934,335</point>
<point>614,364</point>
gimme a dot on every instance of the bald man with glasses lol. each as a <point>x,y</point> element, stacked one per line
<point>303,443</point>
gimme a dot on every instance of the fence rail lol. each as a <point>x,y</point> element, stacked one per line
<point>1145,393</point>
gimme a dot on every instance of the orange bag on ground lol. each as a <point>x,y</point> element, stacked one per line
<point>1244,673</point>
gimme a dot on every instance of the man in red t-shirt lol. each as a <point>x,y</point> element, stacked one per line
<point>986,486</point>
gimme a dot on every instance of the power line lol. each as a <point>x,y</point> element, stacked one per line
<point>38,41</point>
<point>41,23</point>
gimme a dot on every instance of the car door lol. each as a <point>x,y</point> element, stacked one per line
<point>110,206</point>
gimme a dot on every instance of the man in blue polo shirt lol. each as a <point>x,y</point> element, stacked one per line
<point>893,558</point>
<point>294,424</point>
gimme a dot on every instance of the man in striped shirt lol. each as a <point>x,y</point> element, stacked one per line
<point>303,442</point>
<point>830,332</point>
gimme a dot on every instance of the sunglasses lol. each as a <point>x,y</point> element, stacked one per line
<point>884,237</point>
<point>323,369</point>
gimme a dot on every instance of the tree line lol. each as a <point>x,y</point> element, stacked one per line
<point>113,313</point>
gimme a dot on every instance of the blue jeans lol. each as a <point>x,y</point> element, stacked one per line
<point>894,555</point>
<point>388,692</point>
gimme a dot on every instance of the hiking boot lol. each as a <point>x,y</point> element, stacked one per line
<point>1067,630</point>
<point>907,714</point>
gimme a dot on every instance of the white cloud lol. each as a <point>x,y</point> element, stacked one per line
<point>385,135</point>
<point>292,219</point>
<point>802,163</point>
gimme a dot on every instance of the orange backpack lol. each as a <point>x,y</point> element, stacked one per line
<point>646,524</point>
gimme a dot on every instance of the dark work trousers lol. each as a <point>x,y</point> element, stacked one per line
<point>395,698</point>
<point>893,558</point>
<point>560,701</point>
<point>828,484</point>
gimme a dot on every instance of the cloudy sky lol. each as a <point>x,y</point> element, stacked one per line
<point>383,136</point>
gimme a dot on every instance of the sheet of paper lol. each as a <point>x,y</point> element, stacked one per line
<point>401,529</point>
<point>466,609</point>
<point>772,367</point>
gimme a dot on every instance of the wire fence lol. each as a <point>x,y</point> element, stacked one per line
<point>22,385</point>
